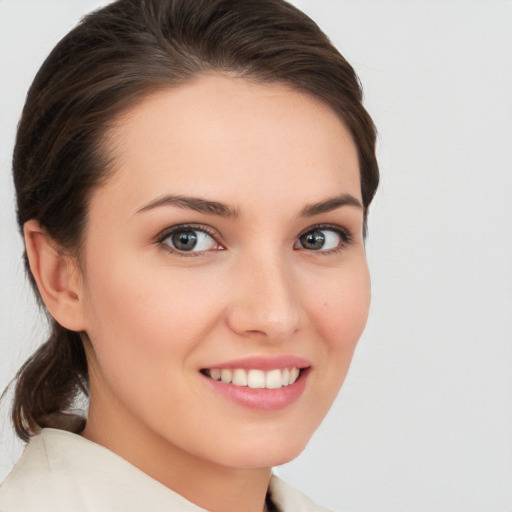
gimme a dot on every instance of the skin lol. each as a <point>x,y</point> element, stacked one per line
<point>154,318</point>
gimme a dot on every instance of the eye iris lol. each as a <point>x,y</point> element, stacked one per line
<point>314,240</point>
<point>184,240</point>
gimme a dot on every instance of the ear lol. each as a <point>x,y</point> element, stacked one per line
<point>57,277</point>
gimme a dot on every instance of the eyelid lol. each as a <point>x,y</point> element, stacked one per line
<point>165,233</point>
<point>345,235</point>
<point>347,238</point>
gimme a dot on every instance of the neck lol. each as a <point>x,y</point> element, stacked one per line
<point>221,489</point>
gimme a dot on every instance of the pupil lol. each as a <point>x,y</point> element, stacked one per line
<point>314,240</point>
<point>184,240</point>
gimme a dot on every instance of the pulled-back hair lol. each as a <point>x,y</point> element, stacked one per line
<point>111,60</point>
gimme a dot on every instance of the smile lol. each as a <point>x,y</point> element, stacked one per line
<point>254,378</point>
<point>259,383</point>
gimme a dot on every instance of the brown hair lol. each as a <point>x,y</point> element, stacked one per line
<point>114,57</point>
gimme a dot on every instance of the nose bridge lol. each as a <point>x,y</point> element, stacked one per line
<point>265,300</point>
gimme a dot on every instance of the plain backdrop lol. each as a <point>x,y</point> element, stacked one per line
<point>424,420</point>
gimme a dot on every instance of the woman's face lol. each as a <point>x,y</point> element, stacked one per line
<point>228,245</point>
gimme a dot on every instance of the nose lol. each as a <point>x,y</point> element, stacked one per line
<point>266,303</point>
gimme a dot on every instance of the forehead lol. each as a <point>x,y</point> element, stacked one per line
<point>232,139</point>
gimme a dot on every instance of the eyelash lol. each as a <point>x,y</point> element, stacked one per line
<point>346,238</point>
<point>160,240</point>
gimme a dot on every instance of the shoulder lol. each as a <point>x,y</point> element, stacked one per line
<point>60,471</point>
<point>26,478</point>
<point>288,499</point>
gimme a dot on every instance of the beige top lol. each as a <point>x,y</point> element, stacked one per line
<point>63,472</point>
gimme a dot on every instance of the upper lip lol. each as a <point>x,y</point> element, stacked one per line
<point>262,363</point>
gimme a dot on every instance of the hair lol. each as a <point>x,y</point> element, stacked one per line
<point>112,59</point>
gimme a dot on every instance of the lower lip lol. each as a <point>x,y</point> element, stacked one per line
<point>262,399</point>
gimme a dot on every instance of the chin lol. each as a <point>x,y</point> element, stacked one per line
<point>267,454</point>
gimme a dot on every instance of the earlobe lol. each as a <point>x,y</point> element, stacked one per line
<point>56,275</point>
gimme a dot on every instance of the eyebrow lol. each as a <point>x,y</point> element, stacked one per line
<point>222,210</point>
<point>330,204</point>
<point>193,203</point>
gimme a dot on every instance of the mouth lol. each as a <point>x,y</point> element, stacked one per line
<point>259,383</point>
<point>255,378</point>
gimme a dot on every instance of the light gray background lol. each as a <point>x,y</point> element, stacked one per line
<point>424,421</point>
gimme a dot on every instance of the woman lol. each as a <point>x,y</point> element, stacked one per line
<point>193,181</point>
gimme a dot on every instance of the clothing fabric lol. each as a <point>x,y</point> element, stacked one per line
<point>63,472</point>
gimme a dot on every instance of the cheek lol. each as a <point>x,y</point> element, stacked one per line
<point>341,309</point>
<point>144,330</point>
<point>149,312</point>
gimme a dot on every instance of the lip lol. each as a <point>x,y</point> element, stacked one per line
<point>263,363</point>
<point>262,399</point>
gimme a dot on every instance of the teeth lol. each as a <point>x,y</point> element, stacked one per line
<point>215,374</point>
<point>226,376</point>
<point>239,378</point>
<point>294,374</point>
<point>255,379</point>
<point>273,379</point>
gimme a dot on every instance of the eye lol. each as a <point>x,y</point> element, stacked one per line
<point>324,239</point>
<point>189,239</point>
